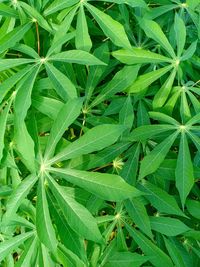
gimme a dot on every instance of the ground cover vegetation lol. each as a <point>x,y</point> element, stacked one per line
<point>99,133</point>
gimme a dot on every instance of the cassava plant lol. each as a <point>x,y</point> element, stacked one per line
<point>99,133</point>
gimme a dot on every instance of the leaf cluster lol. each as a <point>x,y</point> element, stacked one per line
<point>99,133</point>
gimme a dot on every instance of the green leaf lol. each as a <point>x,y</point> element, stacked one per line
<point>126,259</point>
<point>180,33</point>
<point>120,82</point>
<point>161,96</point>
<point>154,31</point>
<point>78,217</point>
<point>152,161</point>
<point>96,72</point>
<point>143,81</point>
<point>163,118</point>
<point>24,145</point>
<point>174,253</point>
<point>195,119</point>
<point>130,168</point>
<point>148,131</point>
<point>11,63</point>
<point>18,196</point>
<point>132,3</point>
<point>111,28</point>
<point>168,226</point>
<point>11,81</point>
<point>3,122</point>
<point>184,170</point>
<point>158,257</point>
<point>57,5</point>
<point>138,213</point>
<point>35,15</point>
<point>94,139</point>
<point>25,49</point>
<point>107,186</point>
<point>82,40</point>
<point>139,56</point>
<point>10,245</point>
<point>45,230</point>
<point>48,106</point>
<point>193,207</point>
<point>68,258</point>
<point>26,258</point>
<point>160,199</point>
<point>57,44</point>
<point>7,11</point>
<point>189,52</point>
<point>66,116</point>
<point>63,86</point>
<point>11,38</point>
<point>23,96</point>
<point>76,56</point>
<point>68,237</point>
<point>44,258</point>
<point>126,114</point>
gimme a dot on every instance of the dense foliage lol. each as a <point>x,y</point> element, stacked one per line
<point>99,133</point>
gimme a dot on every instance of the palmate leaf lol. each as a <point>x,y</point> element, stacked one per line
<point>76,194</point>
<point>77,216</point>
